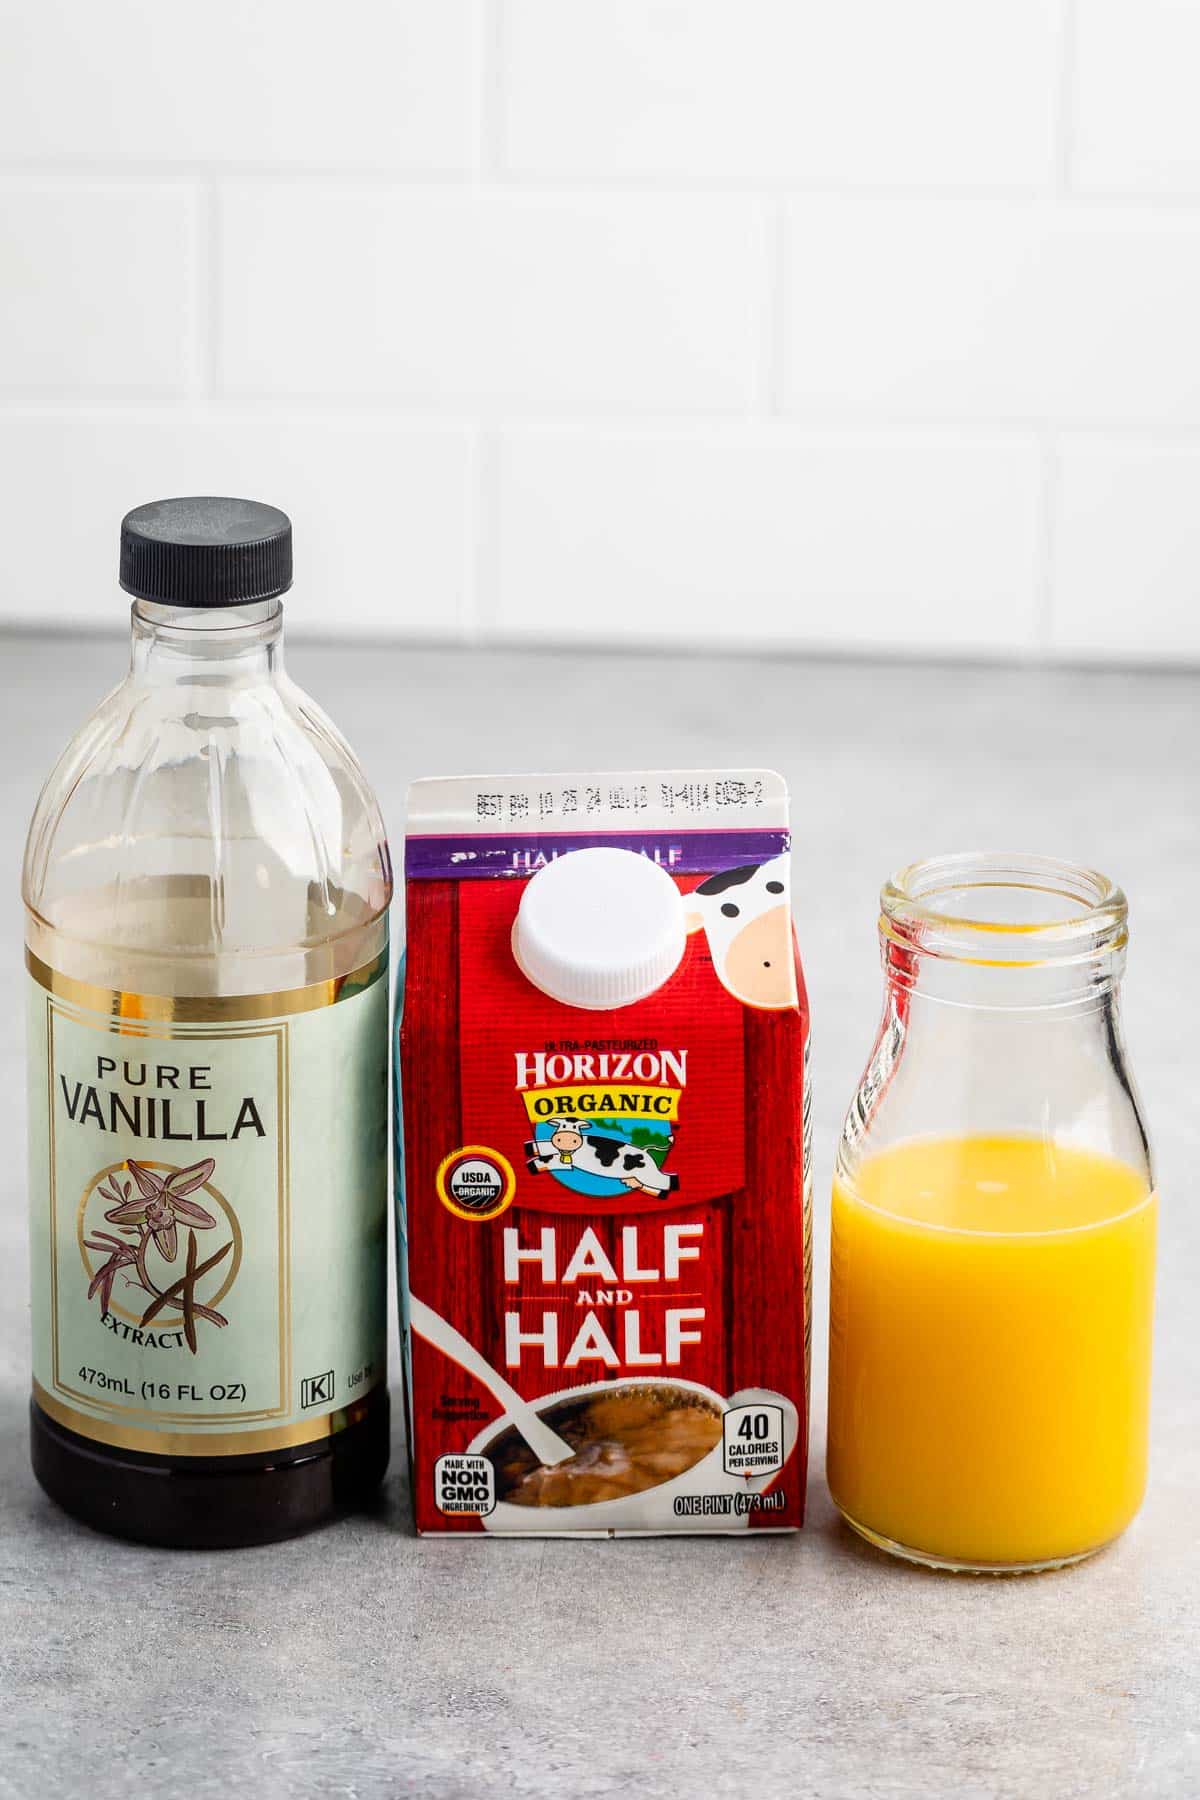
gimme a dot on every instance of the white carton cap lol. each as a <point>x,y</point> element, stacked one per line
<point>600,928</point>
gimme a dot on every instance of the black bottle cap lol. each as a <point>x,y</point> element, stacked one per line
<point>206,551</point>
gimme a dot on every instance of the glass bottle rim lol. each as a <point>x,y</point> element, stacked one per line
<point>1003,909</point>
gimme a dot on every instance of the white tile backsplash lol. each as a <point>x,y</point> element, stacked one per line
<point>856,326</point>
<point>970,309</point>
<point>1137,123</point>
<point>392,83</point>
<point>381,510</point>
<point>783,90</point>
<point>76,260</point>
<point>1127,551</point>
<point>767,534</point>
<point>478,299</point>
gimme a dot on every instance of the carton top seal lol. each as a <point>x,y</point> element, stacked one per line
<point>466,826</point>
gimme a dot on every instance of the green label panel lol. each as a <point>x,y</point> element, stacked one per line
<point>208,1213</point>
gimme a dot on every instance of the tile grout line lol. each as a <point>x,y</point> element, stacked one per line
<point>1047,543</point>
<point>490,161</point>
<point>841,430</point>
<point>1065,101</point>
<point>810,429</point>
<point>491,34</point>
<point>207,295</point>
<point>771,312</point>
<point>480,584</point>
<point>1153,203</point>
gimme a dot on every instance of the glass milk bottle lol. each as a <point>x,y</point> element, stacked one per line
<point>206,887</point>
<point>994,1217</point>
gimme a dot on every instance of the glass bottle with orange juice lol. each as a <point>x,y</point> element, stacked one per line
<point>992,1270</point>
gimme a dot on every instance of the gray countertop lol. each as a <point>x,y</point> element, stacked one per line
<point>359,1661</point>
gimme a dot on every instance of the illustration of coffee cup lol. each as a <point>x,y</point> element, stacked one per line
<point>648,1455</point>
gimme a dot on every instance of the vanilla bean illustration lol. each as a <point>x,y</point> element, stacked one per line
<point>184,1286</point>
<point>146,1280</point>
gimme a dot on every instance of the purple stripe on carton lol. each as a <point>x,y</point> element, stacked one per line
<point>467,857</point>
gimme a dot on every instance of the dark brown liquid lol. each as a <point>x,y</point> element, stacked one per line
<point>213,1502</point>
<point>625,1440</point>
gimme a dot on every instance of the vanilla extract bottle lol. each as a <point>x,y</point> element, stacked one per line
<point>206,890</point>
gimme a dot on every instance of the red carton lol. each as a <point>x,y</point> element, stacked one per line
<point>603,1156</point>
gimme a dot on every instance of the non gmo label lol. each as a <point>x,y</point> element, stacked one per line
<point>464,1486</point>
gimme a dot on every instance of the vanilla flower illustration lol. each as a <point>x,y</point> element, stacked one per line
<point>162,1205</point>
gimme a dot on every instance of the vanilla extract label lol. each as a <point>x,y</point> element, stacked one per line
<point>115,1101</point>
<point>198,1184</point>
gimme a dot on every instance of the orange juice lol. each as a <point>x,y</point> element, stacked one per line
<point>991,1309</point>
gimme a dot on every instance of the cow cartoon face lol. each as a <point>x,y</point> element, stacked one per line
<point>746,918</point>
<point>566,1141</point>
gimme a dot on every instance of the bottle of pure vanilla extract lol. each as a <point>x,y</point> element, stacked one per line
<point>206,888</point>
